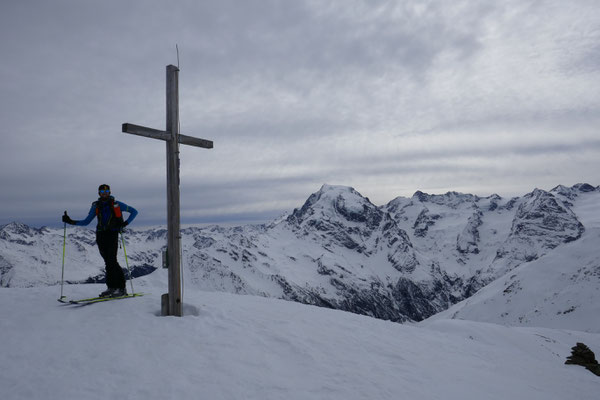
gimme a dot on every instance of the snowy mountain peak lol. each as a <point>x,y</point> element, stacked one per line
<point>16,231</point>
<point>451,199</point>
<point>543,213</point>
<point>541,223</point>
<point>17,228</point>
<point>330,203</point>
<point>573,191</point>
<point>585,187</point>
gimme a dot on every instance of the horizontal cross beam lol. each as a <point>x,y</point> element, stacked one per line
<point>166,136</point>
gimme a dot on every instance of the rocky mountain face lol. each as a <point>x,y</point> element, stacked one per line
<point>406,260</point>
<point>542,222</point>
<point>560,286</point>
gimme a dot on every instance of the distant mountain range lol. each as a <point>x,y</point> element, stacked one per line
<point>405,261</point>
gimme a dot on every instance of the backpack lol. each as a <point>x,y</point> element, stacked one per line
<point>109,215</point>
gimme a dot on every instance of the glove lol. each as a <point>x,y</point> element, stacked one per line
<point>123,225</point>
<point>66,219</point>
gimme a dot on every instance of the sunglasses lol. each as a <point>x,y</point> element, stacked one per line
<point>103,191</point>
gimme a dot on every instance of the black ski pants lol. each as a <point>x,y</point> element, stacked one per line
<point>108,243</point>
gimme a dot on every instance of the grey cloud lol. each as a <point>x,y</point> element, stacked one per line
<point>294,94</point>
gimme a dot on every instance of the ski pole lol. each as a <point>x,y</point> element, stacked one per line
<point>127,262</point>
<point>62,276</point>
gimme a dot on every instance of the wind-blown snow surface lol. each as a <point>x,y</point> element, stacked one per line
<point>247,347</point>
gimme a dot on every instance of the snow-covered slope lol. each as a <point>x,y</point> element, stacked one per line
<point>560,289</point>
<point>231,347</point>
<point>406,260</point>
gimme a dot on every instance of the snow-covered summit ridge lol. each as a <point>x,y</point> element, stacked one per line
<point>451,199</point>
<point>575,190</point>
<point>19,229</point>
<point>559,286</point>
<point>405,260</point>
<point>332,202</point>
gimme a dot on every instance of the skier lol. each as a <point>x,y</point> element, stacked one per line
<point>110,223</point>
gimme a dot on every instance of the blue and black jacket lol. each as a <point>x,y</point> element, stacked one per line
<point>109,214</point>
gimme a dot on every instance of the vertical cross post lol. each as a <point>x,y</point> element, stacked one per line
<point>172,302</point>
<point>173,216</point>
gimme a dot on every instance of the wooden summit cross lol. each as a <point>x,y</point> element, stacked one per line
<point>171,302</point>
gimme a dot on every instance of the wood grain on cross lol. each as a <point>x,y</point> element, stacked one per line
<point>172,303</point>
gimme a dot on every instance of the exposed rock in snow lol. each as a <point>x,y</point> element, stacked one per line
<point>468,240</point>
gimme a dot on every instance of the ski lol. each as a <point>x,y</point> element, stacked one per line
<point>102,299</point>
<point>93,300</point>
<point>64,299</point>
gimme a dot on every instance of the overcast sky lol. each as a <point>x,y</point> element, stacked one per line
<point>388,97</point>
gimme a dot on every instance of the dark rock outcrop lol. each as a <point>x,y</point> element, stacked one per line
<point>582,355</point>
